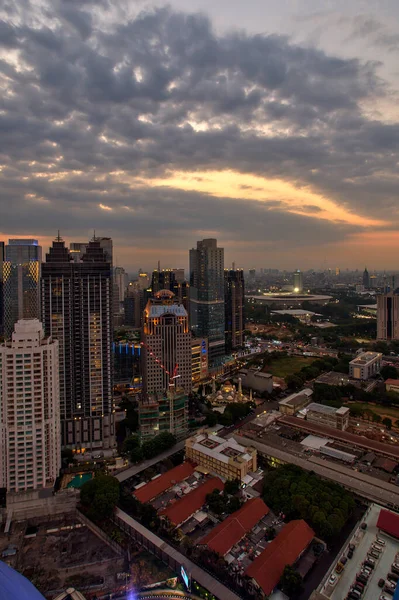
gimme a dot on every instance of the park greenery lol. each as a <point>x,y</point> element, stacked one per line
<point>138,451</point>
<point>99,496</point>
<point>225,502</point>
<point>291,582</point>
<point>299,494</point>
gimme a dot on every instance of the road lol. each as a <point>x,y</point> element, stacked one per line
<point>359,483</point>
<point>131,471</point>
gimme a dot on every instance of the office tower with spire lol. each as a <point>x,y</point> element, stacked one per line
<point>366,278</point>
<point>30,439</point>
<point>234,295</point>
<point>21,277</point>
<point>77,311</point>
<point>207,297</point>
<point>388,316</point>
<point>298,281</point>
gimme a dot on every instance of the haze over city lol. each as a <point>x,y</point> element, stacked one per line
<point>272,126</point>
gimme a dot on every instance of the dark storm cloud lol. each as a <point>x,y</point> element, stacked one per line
<point>83,92</point>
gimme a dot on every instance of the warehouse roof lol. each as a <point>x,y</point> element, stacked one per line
<point>389,522</point>
<point>182,509</point>
<point>284,550</point>
<point>228,533</point>
<point>155,487</point>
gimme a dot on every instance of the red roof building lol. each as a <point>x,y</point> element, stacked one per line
<point>228,533</point>
<point>284,550</point>
<point>155,487</point>
<point>180,510</point>
<point>389,523</point>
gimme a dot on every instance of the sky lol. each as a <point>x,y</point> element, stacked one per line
<point>272,125</point>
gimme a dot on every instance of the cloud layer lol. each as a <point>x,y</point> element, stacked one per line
<point>94,108</point>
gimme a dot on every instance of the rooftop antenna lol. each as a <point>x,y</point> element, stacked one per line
<point>159,266</point>
<point>94,235</point>
<point>59,238</point>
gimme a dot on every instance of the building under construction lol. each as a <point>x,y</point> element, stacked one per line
<point>159,413</point>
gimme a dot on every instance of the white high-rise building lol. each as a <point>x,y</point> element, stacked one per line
<point>30,432</point>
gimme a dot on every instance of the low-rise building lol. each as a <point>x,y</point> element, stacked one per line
<point>295,402</point>
<point>222,457</point>
<point>337,418</point>
<point>365,365</point>
<point>256,380</point>
<point>392,385</point>
<point>267,568</point>
<point>179,511</point>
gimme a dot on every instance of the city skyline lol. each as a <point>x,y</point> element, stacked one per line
<point>160,126</point>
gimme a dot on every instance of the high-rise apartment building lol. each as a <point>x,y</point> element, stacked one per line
<point>234,296</point>
<point>207,297</point>
<point>120,281</point>
<point>366,278</point>
<point>388,316</point>
<point>77,311</point>
<point>21,276</point>
<point>2,256</point>
<point>30,439</point>
<point>298,281</point>
<point>166,345</point>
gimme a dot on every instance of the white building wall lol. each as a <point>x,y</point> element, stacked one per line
<point>30,434</point>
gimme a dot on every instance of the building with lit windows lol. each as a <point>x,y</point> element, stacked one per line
<point>30,436</point>
<point>199,359</point>
<point>388,316</point>
<point>219,456</point>
<point>77,311</point>
<point>207,297</point>
<point>163,412</point>
<point>166,345</point>
<point>21,277</point>
<point>365,365</point>
<point>298,281</point>
<point>234,296</point>
<point>337,418</point>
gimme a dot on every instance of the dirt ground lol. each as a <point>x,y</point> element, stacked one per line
<point>53,560</point>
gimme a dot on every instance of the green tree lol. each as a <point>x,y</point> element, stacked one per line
<point>232,486</point>
<point>291,582</point>
<point>388,372</point>
<point>99,496</point>
<point>294,382</point>
<point>387,422</point>
<point>211,418</point>
<point>131,443</point>
<point>376,418</point>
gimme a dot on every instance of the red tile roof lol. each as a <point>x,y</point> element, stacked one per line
<point>155,487</point>
<point>182,509</point>
<point>388,522</point>
<point>228,533</point>
<point>284,550</point>
<point>392,382</point>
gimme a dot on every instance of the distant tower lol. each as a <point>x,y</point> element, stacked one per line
<point>366,278</point>
<point>30,439</point>
<point>234,294</point>
<point>298,281</point>
<point>388,316</point>
<point>21,287</point>
<point>207,297</point>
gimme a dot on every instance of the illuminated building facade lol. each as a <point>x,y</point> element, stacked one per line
<point>298,281</point>
<point>77,311</point>
<point>21,287</point>
<point>388,316</point>
<point>234,295</point>
<point>30,440</point>
<point>207,297</point>
<point>199,359</point>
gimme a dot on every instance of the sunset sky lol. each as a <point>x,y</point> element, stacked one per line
<point>272,125</point>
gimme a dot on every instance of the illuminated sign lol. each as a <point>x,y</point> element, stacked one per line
<point>186,577</point>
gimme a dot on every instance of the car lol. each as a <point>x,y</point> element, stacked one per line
<point>380,542</point>
<point>350,553</point>
<point>384,597</point>
<point>381,582</point>
<point>333,578</point>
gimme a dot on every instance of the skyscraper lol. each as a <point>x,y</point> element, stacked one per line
<point>366,278</point>
<point>170,279</point>
<point>207,297</point>
<point>388,316</point>
<point>2,256</point>
<point>77,310</point>
<point>234,295</point>
<point>298,281</point>
<point>30,440</point>
<point>21,275</point>
<point>166,345</point>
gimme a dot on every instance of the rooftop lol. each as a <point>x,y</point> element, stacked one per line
<point>219,448</point>
<point>365,358</point>
<point>327,410</point>
<point>225,535</point>
<point>389,523</point>
<point>284,550</point>
<point>392,382</point>
<point>294,399</point>
<point>362,540</point>
<point>180,510</point>
<point>155,487</point>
